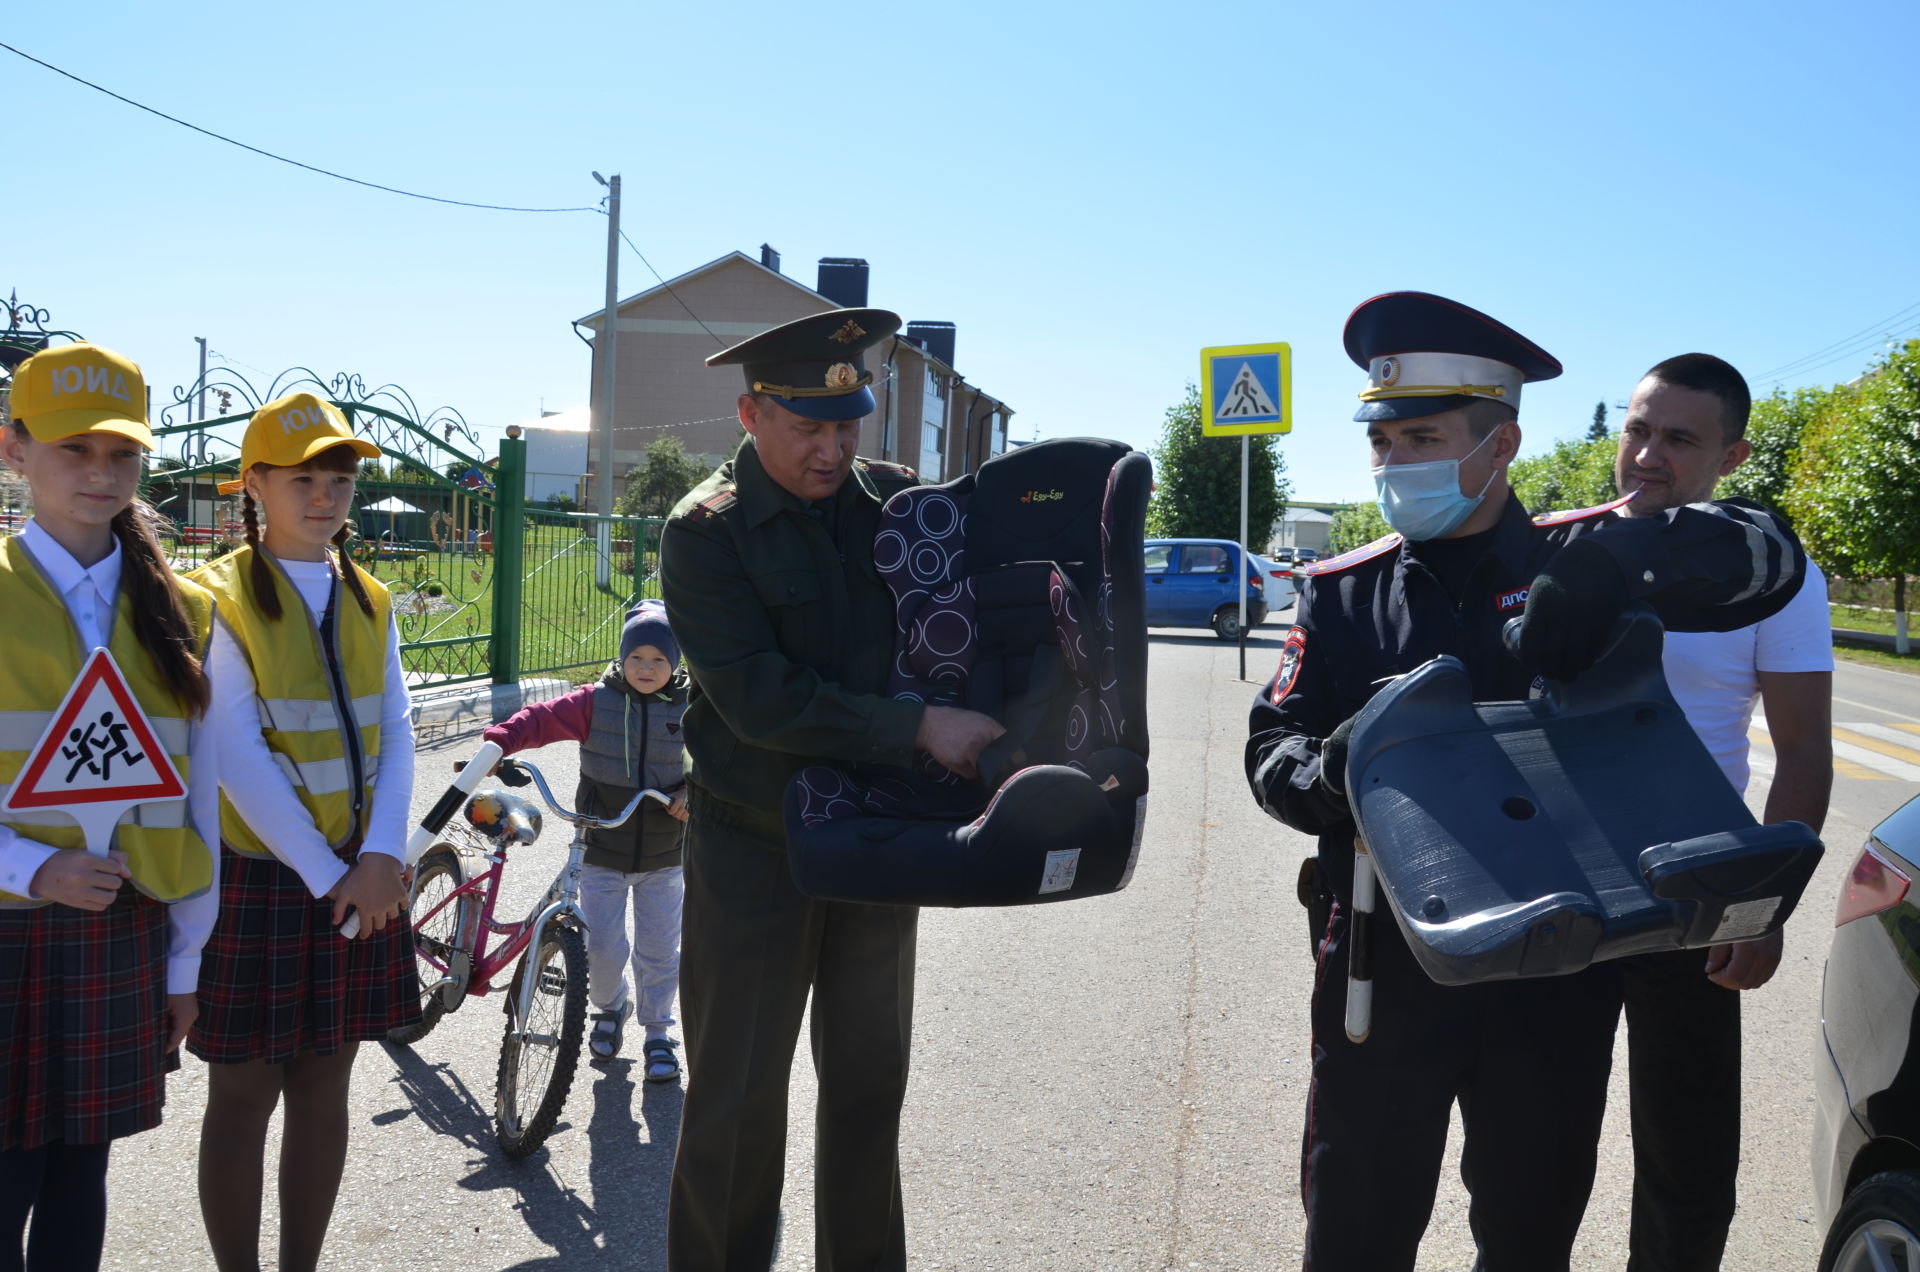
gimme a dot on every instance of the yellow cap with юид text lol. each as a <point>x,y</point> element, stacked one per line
<point>291,430</point>
<point>80,388</point>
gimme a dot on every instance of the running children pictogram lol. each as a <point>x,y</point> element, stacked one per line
<point>98,758</point>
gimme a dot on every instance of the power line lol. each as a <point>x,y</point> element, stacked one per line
<point>338,176</point>
<point>1853,351</point>
<point>1874,330</point>
<point>669,286</point>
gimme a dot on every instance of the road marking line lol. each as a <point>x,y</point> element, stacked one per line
<point>1867,763</point>
<point>1873,707</point>
<point>1901,736</point>
<point>1905,757</point>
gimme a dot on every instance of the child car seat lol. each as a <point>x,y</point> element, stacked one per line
<point>1533,838</point>
<point>1018,592</point>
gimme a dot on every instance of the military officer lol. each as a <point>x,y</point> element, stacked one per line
<point>1527,1060</point>
<point>768,576</point>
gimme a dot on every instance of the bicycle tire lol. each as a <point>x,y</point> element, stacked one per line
<point>528,1097</point>
<point>450,931</point>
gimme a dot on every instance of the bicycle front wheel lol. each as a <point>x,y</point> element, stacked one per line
<point>442,941</point>
<point>537,1061</point>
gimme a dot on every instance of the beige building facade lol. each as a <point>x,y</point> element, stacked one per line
<point>928,418</point>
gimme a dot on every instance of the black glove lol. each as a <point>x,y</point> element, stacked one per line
<point>1571,610</point>
<point>1333,757</point>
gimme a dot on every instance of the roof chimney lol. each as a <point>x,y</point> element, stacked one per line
<point>935,337</point>
<point>843,280</point>
<point>770,258</point>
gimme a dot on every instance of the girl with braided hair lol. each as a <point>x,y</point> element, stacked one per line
<point>313,823</point>
<point>99,955</point>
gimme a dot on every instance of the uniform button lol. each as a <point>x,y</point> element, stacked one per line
<point>793,589</point>
<point>1647,576</point>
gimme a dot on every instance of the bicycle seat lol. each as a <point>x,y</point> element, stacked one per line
<point>1534,838</point>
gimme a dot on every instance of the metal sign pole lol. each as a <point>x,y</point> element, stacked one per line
<point>1246,448</point>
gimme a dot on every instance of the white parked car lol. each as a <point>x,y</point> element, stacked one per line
<point>1278,579</point>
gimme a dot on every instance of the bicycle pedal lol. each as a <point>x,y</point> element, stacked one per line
<point>553,981</point>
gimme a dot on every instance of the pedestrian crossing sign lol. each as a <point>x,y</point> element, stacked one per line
<point>98,758</point>
<point>1246,389</point>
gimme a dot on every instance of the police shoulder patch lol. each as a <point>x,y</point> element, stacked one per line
<point>1292,654</point>
<point>1578,514</point>
<point>1365,552</point>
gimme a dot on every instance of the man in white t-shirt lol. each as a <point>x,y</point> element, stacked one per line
<point>1685,429</point>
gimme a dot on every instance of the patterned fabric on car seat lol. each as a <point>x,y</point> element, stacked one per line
<point>989,575</point>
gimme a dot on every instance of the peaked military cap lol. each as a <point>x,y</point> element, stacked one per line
<point>813,365</point>
<point>1425,354</point>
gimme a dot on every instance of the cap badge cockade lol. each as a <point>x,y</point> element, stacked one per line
<point>841,375</point>
<point>849,332</point>
<point>1389,370</point>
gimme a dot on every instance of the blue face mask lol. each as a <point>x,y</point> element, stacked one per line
<point>1423,501</point>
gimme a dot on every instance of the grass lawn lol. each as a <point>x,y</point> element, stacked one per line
<point>566,621</point>
<point>1878,657</point>
<point>1869,620</point>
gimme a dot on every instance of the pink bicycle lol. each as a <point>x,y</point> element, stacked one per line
<point>453,924</point>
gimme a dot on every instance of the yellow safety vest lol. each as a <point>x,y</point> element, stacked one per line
<point>320,717</point>
<point>168,858</point>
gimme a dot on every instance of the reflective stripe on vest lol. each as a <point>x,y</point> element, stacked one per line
<point>320,727</point>
<point>166,855</point>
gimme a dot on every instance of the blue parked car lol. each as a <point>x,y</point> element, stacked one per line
<point>1191,583</point>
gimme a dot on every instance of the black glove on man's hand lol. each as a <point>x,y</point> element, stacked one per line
<point>1333,757</point>
<point>1571,610</point>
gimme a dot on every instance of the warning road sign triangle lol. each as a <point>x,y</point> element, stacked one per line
<point>100,749</point>
<point>1245,397</point>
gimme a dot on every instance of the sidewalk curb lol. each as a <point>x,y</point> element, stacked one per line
<point>1879,640</point>
<point>471,708</point>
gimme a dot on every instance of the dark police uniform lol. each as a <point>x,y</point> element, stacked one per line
<point>1527,1060</point>
<point>788,634</point>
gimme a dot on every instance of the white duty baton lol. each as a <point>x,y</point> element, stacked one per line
<point>437,817</point>
<point>1360,945</point>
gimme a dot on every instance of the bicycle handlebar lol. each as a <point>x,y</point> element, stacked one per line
<point>583,819</point>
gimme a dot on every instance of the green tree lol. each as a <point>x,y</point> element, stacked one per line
<point>1598,430</point>
<point>1774,430</point>
<point>667,474</point>
<point>1356,525</point>
<point>1851,491</point>
<point>1197,481</point>
<point>1574,474</point>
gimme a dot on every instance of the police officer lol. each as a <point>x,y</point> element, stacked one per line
<point>1527,1060</point>
<point>768,576</point>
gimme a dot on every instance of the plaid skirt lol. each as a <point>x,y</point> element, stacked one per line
<point>83,1000</point>
<point>278,979</point>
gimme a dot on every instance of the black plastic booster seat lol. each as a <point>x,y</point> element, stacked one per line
<point>1018,592</point>
<point>1533,838</point>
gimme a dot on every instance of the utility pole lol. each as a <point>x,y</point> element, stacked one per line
<point>607,348</point>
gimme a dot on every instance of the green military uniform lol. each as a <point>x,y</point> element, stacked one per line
<point>788,632</point>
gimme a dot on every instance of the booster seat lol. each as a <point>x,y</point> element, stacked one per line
<point>1534,838</point>
<point>1019,593</point>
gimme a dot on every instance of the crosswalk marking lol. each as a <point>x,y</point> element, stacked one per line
<point>1862,751</point>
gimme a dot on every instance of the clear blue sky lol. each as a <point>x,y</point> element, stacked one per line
<point>1092,193</point>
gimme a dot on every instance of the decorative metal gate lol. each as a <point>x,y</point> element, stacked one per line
<point>484,587</point>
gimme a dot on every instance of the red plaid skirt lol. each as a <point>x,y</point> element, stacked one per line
<point>277,979</point>
<point>83,1001</point>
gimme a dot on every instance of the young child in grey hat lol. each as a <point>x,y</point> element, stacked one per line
<point>628,726</point>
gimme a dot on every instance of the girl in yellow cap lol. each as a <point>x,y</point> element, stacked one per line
<point>99,955</point>
<point>314,822</point>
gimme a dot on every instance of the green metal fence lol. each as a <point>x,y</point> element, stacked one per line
<point>483,586</point>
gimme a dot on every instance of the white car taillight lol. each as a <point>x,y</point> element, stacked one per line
<point>1875,884</point>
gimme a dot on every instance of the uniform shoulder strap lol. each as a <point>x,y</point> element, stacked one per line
<point>1365,552</point>
<point>1579,514</point>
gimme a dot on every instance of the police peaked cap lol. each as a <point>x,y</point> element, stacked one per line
<point>813,365</point>
<point>1425,354</point>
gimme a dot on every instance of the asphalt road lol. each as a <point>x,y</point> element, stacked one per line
<point>1116,1084</point>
